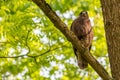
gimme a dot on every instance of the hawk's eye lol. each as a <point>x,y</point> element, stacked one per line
<point>84,12</point>
<point>81,13</point>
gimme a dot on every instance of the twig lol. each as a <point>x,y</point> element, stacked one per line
<point>30,55</point>
<point>26,41</point>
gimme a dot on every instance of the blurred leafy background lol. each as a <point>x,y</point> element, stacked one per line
<point>31,48</point>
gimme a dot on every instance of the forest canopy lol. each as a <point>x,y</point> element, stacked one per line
<point>32,48</point>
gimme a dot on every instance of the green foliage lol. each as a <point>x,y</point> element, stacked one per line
<point>32,48</point>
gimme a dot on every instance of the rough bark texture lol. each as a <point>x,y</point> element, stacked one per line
<point>72,38</point>
<point>111,14</point>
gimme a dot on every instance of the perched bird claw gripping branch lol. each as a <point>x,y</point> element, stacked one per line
<point>83,30</point>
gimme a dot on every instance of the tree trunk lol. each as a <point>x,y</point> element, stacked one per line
<point>111,14</point>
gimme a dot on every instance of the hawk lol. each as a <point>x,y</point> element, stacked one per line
<point>81,27</point>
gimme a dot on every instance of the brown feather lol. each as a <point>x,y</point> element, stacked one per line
<point>83,30</point>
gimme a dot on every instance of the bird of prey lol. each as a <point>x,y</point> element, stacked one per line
<point>81,27</point>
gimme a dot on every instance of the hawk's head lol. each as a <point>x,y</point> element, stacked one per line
<point>84,14</point>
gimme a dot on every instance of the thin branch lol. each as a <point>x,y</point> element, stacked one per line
<point>72,38</point>
<point>13,56</point>
<point>26,41</point>
<point>49,50</point>
<point>44,52</point>
<point>4,42</point>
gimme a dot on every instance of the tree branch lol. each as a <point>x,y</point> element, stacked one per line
<point>27,55</point>
<point>13,56</point>
<point>26,41</point>
<point>32,56</point>
<point>72,38</point>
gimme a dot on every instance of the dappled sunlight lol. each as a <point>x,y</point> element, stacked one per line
<point>31,48</point>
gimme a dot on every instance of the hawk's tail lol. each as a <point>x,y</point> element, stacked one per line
<point>82,63</point>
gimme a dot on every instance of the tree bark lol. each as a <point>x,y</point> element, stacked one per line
<point>111,14</point>
<point>72,38</point>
